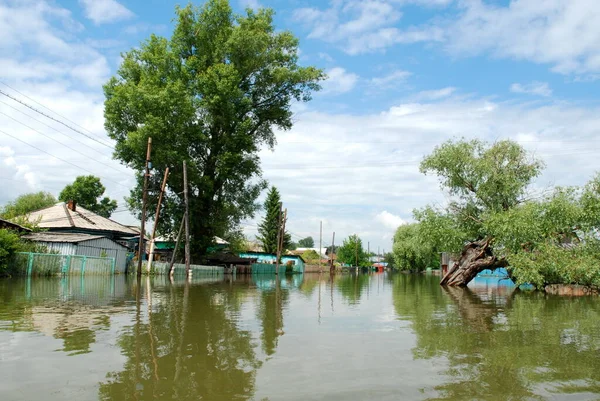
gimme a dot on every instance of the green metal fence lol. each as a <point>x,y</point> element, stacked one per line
<point>44,264</point>
<point>163,268</point>
<point>266,268</point>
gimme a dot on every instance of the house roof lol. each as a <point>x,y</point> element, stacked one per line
<point>272,254</point>
<point>60,216</point>
<point>61,237</point>
<point>163,238</point>
<point>12,226</point>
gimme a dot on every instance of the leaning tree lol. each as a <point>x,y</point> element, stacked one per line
<point>483,180</point>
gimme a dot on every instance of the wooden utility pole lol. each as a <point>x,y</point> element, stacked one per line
<point>171,266</point>
<point>160,197</point>
<point>320,246</point>
<point>277,252</point>
<point>282,236</point>
<point>141,250</point>
<point>356,249</point>
<point>186,218</point>
<point>332,267</point>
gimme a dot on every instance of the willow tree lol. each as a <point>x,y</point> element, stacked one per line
<point>484,180</point>
<point>210,95</point>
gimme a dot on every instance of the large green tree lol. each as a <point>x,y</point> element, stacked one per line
<point>352,252</point>
<point>87,191</point>
<point>27,203</point>
<point>307,242</point>
<point>210,95</point>
<point>270,225</point>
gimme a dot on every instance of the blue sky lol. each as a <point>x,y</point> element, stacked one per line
<point>404,75</point>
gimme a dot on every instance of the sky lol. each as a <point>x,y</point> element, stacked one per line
<point>403,77</point>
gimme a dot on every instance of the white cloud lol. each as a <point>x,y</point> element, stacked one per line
<point>391,79</point>
<point>533,88</point>
<point>435,94</point>
<point>105,11</point>
<point>361,26</point>
<point>564,34</point>
<point>339,81</point>
<point>389,220</point>
<point>253,4</point>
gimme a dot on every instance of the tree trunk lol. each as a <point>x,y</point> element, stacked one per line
<point>475,257</point>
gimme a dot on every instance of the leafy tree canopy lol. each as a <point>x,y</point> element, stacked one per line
<point>87,191</point>
<point>489,184</point>
<point>307,242</point>
<point>27,203</point>
<point>352,252</point>
<point>211,95</point>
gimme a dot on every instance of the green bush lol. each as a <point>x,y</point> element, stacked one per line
<point>10,243</point>
<point>550,263</point>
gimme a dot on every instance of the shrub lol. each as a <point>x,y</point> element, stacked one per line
<point>10,243</point>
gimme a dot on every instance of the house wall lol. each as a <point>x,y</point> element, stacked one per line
<point>104,247</point>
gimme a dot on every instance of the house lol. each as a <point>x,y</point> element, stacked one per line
<point>12,226</point>
<point>268,258</point>
<point>71,218</point>
<point>82,244</point>
<point>97,235</point>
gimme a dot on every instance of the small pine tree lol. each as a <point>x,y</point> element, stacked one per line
<point>267,230</point>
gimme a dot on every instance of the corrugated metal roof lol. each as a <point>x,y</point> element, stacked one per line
<point>59,216</point>
<point>60,237</point>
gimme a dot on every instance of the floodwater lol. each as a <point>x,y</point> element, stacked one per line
<point>356,337</point>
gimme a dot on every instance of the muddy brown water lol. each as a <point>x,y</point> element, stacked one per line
<point>310,337</point>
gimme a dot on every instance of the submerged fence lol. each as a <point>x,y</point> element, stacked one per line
<point>45,264</point>
<point>179,269</point>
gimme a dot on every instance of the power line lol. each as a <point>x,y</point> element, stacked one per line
<point>56,140</point>
<point>58,158</point>
<point>54,119</point>
<point>51,127</point>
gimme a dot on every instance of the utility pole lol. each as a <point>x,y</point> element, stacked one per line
<point>171,266</point>
<point>187,221</point>
<point>141,250</point>
<point>282,236</point>
<point>160,197</point>
<point>332,267</point>
<point>356,249</point>
<point>278,240</point>
<point>320,245</point>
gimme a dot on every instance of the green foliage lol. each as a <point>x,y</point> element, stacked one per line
<point>237,241</point>
<point>86,191</point>
<point>486,177</point>
<point>269,227</point>
<point>27,203</point>
<point>410,251</point>
<point>307,242</point>
<point>550,263</point>
<point>310,256</point>
<point>10,243</point>
<point>210,95</point>
<point>352,252</point>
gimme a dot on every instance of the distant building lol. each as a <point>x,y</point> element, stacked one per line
<point>269,258</point>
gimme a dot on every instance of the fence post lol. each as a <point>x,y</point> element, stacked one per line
<point>83,265</point>
<point>30,263</point>
<point>66,265</point>
<point>112,267</point>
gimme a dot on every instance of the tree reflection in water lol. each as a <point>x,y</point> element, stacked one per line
<point>190,346</point>
<point>500,343</point>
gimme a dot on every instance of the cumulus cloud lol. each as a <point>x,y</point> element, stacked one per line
<point>389,220</point>
<point>105,11</point>
<point>435,94</point>
<point>533,88</point>
<point>339,81</point>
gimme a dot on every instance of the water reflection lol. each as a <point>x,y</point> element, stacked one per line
<point>501,343</point>
<point>344,337</point>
